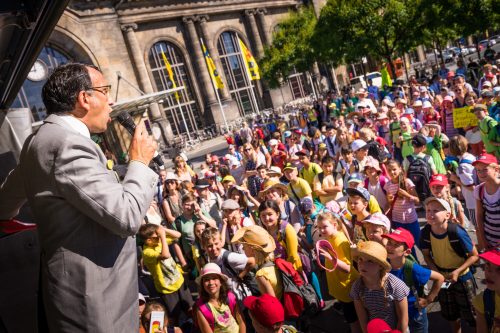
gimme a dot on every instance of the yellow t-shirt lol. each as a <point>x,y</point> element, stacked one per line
<point>479,306</point>
<point>164,283</point>
<point>310,172</point>
<point>270,274</point>
<point>311,113</point>
<point>301,189</point>
<point>291,245</point>
<point>328,182</point>
<point>340,283</point>
<point>444,256</point>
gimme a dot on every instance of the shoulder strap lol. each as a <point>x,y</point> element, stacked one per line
<point>205,311</point>
<point>231,299</point>
<point>489,307</point>
<point>481,191</point>
<point>425,236</point>
<point>408,273</point>
<point>288,209</point>
<point>321,176</point>
<point>294,194</point>
<point>410,158</point>
<point>455,242</point>
<point>226,265</point>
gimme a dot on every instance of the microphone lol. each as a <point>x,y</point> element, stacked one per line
<point>127,122</point>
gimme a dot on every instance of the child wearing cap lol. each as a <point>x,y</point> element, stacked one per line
<point>309,169</point>
<point>298,188</point>
<point>441,189</point>
<point>267,314</point>
<point>357,203</point>
<point>375,182</point>
<point>487,195</point>
<point>434,145</point>
<point>405,267</point>
<point>441,255</point>
<point>360,150</point>
<point>341,278</point>
<point>375,226</point>
<point>346,164</point>
<point>376,293</point>
<point>217,310</point>
<point>258,244</point>
<point>488,320</point>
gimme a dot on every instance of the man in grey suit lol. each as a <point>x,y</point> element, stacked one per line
<point>85,216</point>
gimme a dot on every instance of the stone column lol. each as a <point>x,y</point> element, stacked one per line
<point>144,81</point>
<point>209,42</point>
<point>421,53</point>
<point>261,15</point>
<point>206,80</point>
<point>250,15</point>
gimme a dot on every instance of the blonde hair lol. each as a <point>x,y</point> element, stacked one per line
<point>327,216</point>
<point>366,133</point>
<point>262,257</point>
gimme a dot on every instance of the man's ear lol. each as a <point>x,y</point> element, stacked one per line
<point>83,101</point>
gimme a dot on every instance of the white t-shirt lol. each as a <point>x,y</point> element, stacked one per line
<point>379,194</point>
<point>465,172</point>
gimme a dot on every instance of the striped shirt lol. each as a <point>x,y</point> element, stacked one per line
<point>491,206</point>
<point>380,303</point>
<point>404,209</point>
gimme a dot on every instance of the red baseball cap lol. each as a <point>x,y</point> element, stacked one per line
<point>303,152</point>
<point>492,256</point>
<point>266,309</point>
<point>438,180</point>
<point>402,236</point>
<point>486,159</point>
<point>378,325</point>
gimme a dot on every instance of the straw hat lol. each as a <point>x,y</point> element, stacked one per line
<point>209,269</point>
<point>255,236</point>
<point>270,184</point>
<point>374,251</point>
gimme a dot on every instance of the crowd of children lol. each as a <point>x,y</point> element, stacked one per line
<point>332,205</point>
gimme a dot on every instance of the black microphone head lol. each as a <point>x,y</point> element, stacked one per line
<point>126,121</point>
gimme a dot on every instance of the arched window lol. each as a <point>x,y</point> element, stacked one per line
<point>180,108</point>
<point>234,69</point>
<point>30,95</point>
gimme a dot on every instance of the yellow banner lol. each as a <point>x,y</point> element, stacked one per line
<point>217,80</point>
<point>464,117</point>
<point>250,63</point>
<point>170,73</point>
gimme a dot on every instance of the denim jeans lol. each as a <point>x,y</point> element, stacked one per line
<point>419,324</point>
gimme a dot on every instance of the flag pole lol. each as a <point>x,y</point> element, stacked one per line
<point>216,90</point>
<point>177,99</point>
<point>249,77</point>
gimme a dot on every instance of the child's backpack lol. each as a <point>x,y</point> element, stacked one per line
<point>207,313</point>
<point>408,277</point>
<point>419,172</point>
<point>299,298</point>
<point>489,307</point>
<point>376,150</point>
<point>455,242</point>
<point>382,180</point>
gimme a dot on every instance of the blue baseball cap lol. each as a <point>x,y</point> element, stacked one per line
<point>355,178</point>
<point>361,191</point>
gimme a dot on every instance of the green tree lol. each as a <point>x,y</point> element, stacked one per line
<point>349,30</point>
<point>290,48</point>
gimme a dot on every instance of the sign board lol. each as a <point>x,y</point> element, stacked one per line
<point>464,117</point>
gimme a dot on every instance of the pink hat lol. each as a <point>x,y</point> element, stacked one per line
<point>448,99</point>
<point>378,325</point>
<point>379,219</point>
<point>209,269</point>
<point>372,162</point>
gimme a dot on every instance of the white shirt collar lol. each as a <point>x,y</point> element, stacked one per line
<point>76,125</point>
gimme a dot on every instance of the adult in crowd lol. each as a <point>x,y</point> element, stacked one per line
<point>85,215</point>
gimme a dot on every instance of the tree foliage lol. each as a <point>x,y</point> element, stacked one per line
<point>291,47</point>
<point>349,30</point>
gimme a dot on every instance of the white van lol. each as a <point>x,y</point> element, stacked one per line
<point>359,81</point>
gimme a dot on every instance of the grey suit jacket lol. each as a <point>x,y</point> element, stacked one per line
<point>85,218</point>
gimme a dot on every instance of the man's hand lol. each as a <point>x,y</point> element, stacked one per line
<point>143,146</point>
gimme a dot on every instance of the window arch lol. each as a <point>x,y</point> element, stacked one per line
<point>30,95</point>
<point>184,98</point>
<point>233,65</point>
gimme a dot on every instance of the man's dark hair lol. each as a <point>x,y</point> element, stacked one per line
<point>61,90</point>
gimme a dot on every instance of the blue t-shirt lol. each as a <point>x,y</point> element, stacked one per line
<point>441,258</point>
<point>420,277</point>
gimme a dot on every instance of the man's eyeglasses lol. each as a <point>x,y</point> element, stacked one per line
<point>102,89</point>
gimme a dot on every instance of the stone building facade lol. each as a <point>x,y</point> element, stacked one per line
<point>128,40</point>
